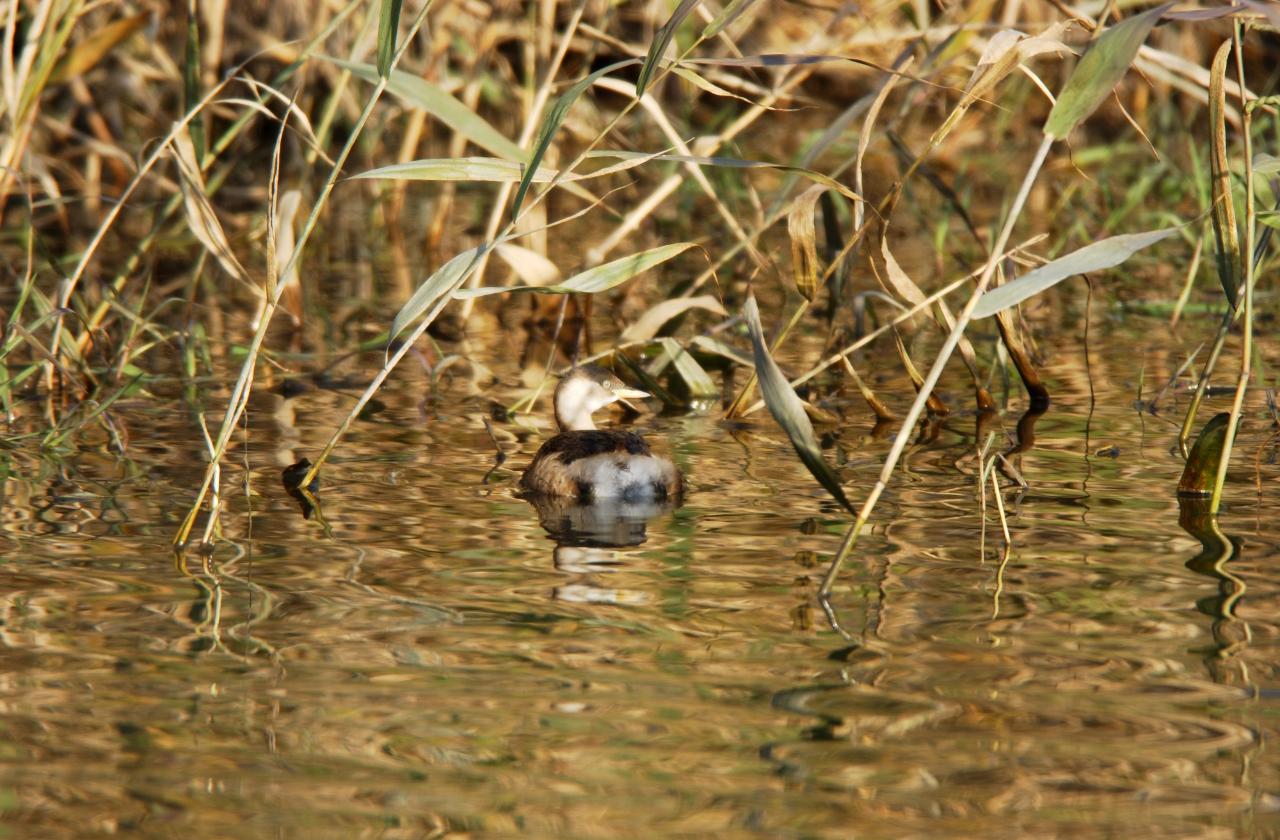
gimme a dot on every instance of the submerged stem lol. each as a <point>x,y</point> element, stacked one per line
<point>944,355</point>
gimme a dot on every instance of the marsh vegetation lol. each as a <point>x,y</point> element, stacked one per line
<point>911,286</point>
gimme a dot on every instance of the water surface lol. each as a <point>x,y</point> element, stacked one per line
<point>426,659</point>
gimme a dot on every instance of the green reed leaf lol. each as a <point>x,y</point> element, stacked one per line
<point>731,12</point>
<point>711,346</point>
<point>388,25</point>
<point>699,382</point>
<point>437,288</point>
<point>1102,67</point>
<point>728,163</point>
<point>496,169</point>
<point>788,409</point>
<point>1103,254</point>
<point>647,325</point>
<point>1201,470</point>
<point>661,39</point>
<point>420,93</point>
<point>789,60</point>
<point>1265,164</point>
<point>456,169</point>
<point>705,85</point>
<point>551,122</point>
<point>593,280</point>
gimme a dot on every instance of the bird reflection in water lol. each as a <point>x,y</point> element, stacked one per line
<point>588,537</point>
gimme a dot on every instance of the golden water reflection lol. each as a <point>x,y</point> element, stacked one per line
<point>441,655</point>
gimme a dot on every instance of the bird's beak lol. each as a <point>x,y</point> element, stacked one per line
<point>625,393</point>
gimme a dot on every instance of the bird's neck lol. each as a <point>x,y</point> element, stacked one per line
<point>580,422</point>
<point>572,411</point>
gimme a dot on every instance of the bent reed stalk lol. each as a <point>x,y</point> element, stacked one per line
<point>239,398</point>
<point>944,355</point>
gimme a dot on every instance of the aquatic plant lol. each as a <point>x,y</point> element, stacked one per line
<point>122,151</point>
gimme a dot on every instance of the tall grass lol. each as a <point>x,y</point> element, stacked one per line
<point>122,132</point>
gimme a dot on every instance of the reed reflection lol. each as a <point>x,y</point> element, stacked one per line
<point>1231,634</point>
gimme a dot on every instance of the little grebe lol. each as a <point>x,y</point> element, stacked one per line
<point>587,463</point>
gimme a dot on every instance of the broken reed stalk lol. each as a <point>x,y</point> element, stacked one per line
<point>944,355</point>
<point>883,413</point>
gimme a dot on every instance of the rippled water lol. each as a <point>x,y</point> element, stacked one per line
<point>425,659</point>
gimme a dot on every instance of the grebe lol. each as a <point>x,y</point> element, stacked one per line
<point>586,463</point>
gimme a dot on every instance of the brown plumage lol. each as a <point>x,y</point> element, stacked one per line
<point>587,463</point>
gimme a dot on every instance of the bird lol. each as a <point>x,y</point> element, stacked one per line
<point>589,464</point>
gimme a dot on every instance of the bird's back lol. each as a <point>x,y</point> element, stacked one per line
<point>601,463</point>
